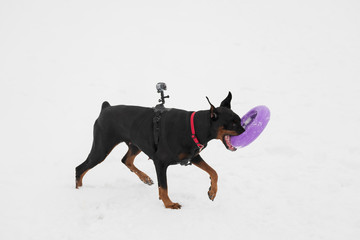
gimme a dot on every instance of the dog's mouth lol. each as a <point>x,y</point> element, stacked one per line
<point>227,143</point>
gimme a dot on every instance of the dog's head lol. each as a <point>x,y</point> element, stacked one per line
<point>224,122</point>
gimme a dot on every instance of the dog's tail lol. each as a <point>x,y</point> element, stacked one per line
<point>105,105</point>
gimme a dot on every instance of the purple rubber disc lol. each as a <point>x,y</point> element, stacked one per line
<point>254,123</point>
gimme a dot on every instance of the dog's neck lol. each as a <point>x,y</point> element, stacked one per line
<point>203,128</point>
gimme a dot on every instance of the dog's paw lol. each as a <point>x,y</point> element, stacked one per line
<point>78,184</point>
<point>212,193</point>
<point>173,206</point>
<point>145,179</point>
<point>148,181</point>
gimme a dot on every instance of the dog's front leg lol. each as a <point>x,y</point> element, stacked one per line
<point>200,163</point>
<point>162,182</point>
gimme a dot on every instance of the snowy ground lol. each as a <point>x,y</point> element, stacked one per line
<point>59,60</point>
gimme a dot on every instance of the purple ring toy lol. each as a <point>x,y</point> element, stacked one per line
<point>254,123</point>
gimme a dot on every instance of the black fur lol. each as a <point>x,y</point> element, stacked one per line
<point>134,126</point>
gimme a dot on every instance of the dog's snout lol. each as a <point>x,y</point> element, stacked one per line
<point>241,130</point>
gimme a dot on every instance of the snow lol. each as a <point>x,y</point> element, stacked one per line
<point>59,60</point>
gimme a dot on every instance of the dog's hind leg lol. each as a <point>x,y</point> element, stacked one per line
<point>128,160</point>
<point>100,149</point>
<point>96,156</point>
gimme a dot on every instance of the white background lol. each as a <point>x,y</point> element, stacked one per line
<point>59,60</point>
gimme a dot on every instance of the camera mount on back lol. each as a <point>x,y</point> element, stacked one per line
<point>158,111</point>
<point>161,87</point>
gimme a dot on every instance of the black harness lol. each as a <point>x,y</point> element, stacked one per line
<point>158,111</point>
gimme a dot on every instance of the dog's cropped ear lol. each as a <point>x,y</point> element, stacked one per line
<point>226,102</point>
<point>213,112</point>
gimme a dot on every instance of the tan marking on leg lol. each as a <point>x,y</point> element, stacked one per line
<point>163,195</point>
<point>79,181</point>
<point>129,162</point>
<point>213,177</point>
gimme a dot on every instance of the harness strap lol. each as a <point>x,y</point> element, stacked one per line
<point>158,110</point>
<point>156,123</point>
<point>193,136</point>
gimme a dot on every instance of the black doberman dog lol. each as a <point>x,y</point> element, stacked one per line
<point>182,135</point>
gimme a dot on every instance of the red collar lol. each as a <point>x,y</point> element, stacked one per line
<point>193,136</point>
